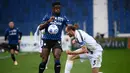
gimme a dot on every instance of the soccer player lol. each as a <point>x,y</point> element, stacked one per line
<point>13,35</point>
<point>90,50</point>
<point>52,41</point>
<point>38,40</point>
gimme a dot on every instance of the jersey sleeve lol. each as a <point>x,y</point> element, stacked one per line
<point>18,30</point>
<point>67,21</point>
<point>45,18</point>
<point>20,33</point>
<point>6,34</point>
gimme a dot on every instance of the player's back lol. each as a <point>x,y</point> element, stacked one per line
<point>90,41</point>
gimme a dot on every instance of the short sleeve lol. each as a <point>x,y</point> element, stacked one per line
<point>45,18</point>
<point>67,21</point>
<point>6,32</point>
<point>18,30</point>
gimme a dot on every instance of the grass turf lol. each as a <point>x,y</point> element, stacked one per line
<point>114,61</point>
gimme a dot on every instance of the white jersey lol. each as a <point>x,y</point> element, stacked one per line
<point>38,36</point>
<point>85,39</point>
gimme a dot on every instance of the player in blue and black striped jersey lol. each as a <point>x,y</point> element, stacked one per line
<point>52,41</point>
<point>13,36</point>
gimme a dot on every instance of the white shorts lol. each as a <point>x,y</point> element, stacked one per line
<point>95,58</point>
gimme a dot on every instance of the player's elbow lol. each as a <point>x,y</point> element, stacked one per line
<point>41,27</point>
<point>21,33</point>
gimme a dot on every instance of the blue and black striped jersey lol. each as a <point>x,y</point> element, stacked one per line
<point>59,21</point>
<point>13,35</point>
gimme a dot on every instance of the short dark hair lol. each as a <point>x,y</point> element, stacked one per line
<point>55,3</point>
<point>71,28</point>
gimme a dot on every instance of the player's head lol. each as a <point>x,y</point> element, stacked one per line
<point>11,24</point>
<point>56,6</point>
<point>70,30</point>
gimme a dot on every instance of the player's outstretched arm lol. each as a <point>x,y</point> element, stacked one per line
<point>82,50</point>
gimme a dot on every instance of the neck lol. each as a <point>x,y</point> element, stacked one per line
<point>11,28</point>
<point>56,14</point>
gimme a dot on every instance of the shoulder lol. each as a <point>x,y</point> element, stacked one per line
<point>7,29</point>
<point>81,32</point>
<point>46,16</point>
<point>16,28</point>
<point>65,17</point>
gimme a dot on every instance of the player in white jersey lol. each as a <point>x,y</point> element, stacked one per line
<point>90,50</point>
<point>38,40</point>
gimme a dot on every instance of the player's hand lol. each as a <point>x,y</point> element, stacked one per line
<point>73,41</point>
<point>68,52</point>
<point>51,19</point>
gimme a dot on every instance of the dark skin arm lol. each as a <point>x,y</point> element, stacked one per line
<point>42,26</point>
<point>6,36</point>
<point>20,35</point>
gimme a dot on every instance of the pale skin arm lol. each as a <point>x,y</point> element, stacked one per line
<point>81,51</point>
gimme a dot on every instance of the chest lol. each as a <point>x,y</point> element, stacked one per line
<point>13,32</point>
<point>58,21</point>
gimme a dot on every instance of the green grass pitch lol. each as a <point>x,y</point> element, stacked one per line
<point>114,61</point>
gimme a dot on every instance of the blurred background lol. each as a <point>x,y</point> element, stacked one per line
<point>106,20</point>
<point>109,17</point>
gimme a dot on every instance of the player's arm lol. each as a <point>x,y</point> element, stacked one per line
<point>6,35</point>
<point>82,50</point>
<point>82,43</point>
<point>67,22</point>
<point>46,22</point>
<point>20,34</point>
